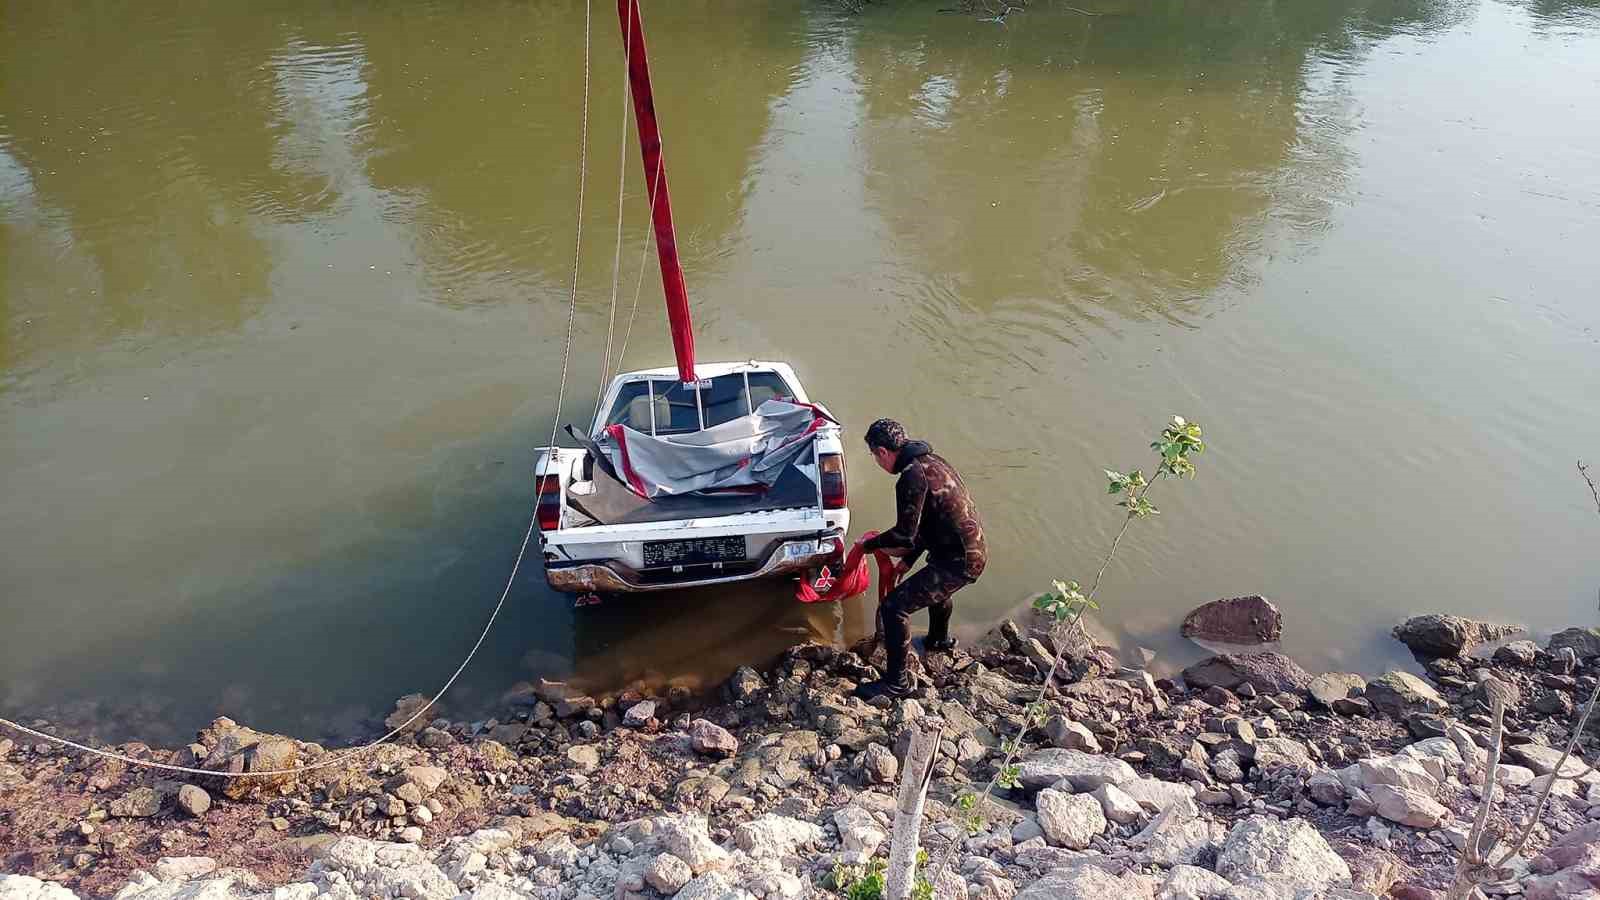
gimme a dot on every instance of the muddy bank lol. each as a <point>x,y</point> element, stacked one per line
<point>1247,778</point>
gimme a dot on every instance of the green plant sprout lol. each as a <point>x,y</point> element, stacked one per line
<point>869,881</point>
<point>1067,603</point>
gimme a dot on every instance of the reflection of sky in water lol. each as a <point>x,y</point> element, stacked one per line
<point>323,97</point>
<point>16,185</point>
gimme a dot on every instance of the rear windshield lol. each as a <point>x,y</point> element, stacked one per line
<point>668,406</point>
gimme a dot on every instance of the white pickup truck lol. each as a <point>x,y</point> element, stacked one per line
<point>600,537</point>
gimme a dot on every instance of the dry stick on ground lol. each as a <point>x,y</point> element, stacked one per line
<point>1544,795</point>
<point>1475,856</point>
<point>1577,732</point>
<point>914,778</point>
<point>1572,743</point>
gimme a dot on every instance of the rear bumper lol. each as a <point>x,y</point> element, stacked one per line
<point>790,557</point>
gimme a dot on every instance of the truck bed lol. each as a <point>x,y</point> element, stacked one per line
<point>612,503</point>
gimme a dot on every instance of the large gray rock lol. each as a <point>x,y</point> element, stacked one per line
<point>1402,694</point>
<point>177,868</point>
<point>1087,882</point>
<point>1273,752</point>
<point>1269,673</point>
<point>1292,851</point>
<point>583,757</point>
<point>879,764</point>
<point>1400,770</point>
<point>710,886</point>
<point>1069,820</point>
<point>193,800</point>
<point>1331,687</point>
<point>1569,849</point>
<point>1177,837</point>
<point>1082,771</point>
<point>1240,620</point>
<point>711,739</point>
<point>667,873</point>
<point>1542,760</point>
<point>1405,806</point>
<point>387,870</point>
<point>859,834</point>
<point>745,683</point>
<point>556,850</point>
<point>1069,735</point>
<point>775,837</point>
<point>1434,636</point>
<point>1517,653</point>
<point>239,750</point>
<point>1441,750</point>
<point>1192,883</point>
<point>26,887</point>
<point>1158,796</point>
<point>1228,766</point>
<point>688,838</point>
<point>1326,789</point>
<point>1372,870</point>
<point>1118,806</point>
<point>1573,883</point>
<point>1585,642</point>
<point>639,714</point>
<point>426,778</point>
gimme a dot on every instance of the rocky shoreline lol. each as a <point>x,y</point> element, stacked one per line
<point>1247,778</point>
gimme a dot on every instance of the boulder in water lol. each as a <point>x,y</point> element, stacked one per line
<point>1435,636</point>
<point>1239,620</point>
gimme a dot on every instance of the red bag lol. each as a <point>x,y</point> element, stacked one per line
<point>853,579</point>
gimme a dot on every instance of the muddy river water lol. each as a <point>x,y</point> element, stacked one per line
<point>284,286</point>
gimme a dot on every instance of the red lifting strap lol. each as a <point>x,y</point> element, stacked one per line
<point>655,179</point>
<point>853,579</point>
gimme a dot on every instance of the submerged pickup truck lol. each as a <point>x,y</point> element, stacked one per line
<point>600,535</point>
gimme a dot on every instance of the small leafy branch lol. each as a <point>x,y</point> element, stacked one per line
<point>869,881</point>
<point>1066,605</point>
<point>1477,862</point>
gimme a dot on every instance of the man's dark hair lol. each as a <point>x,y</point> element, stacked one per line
<point>886,434</point>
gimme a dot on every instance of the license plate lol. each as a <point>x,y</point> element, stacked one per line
<point>694,551</point>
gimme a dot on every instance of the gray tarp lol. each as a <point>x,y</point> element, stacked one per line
<point>747,452</point>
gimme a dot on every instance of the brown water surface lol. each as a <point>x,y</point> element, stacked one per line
<point>284,290</point>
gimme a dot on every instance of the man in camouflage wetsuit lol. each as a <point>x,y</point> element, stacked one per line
<point>936,515</point>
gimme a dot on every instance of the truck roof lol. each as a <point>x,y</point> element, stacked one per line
<point>713,370</point>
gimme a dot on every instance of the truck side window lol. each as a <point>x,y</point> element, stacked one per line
<point>766,386</point>
<point>632,407</point>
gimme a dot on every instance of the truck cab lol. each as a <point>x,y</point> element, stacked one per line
<point>598,536</point>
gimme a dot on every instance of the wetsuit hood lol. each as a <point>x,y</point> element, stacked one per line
<point>910,453</point>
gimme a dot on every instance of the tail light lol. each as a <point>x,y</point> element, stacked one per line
<point>549,503</point>
<point>834,490</point>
